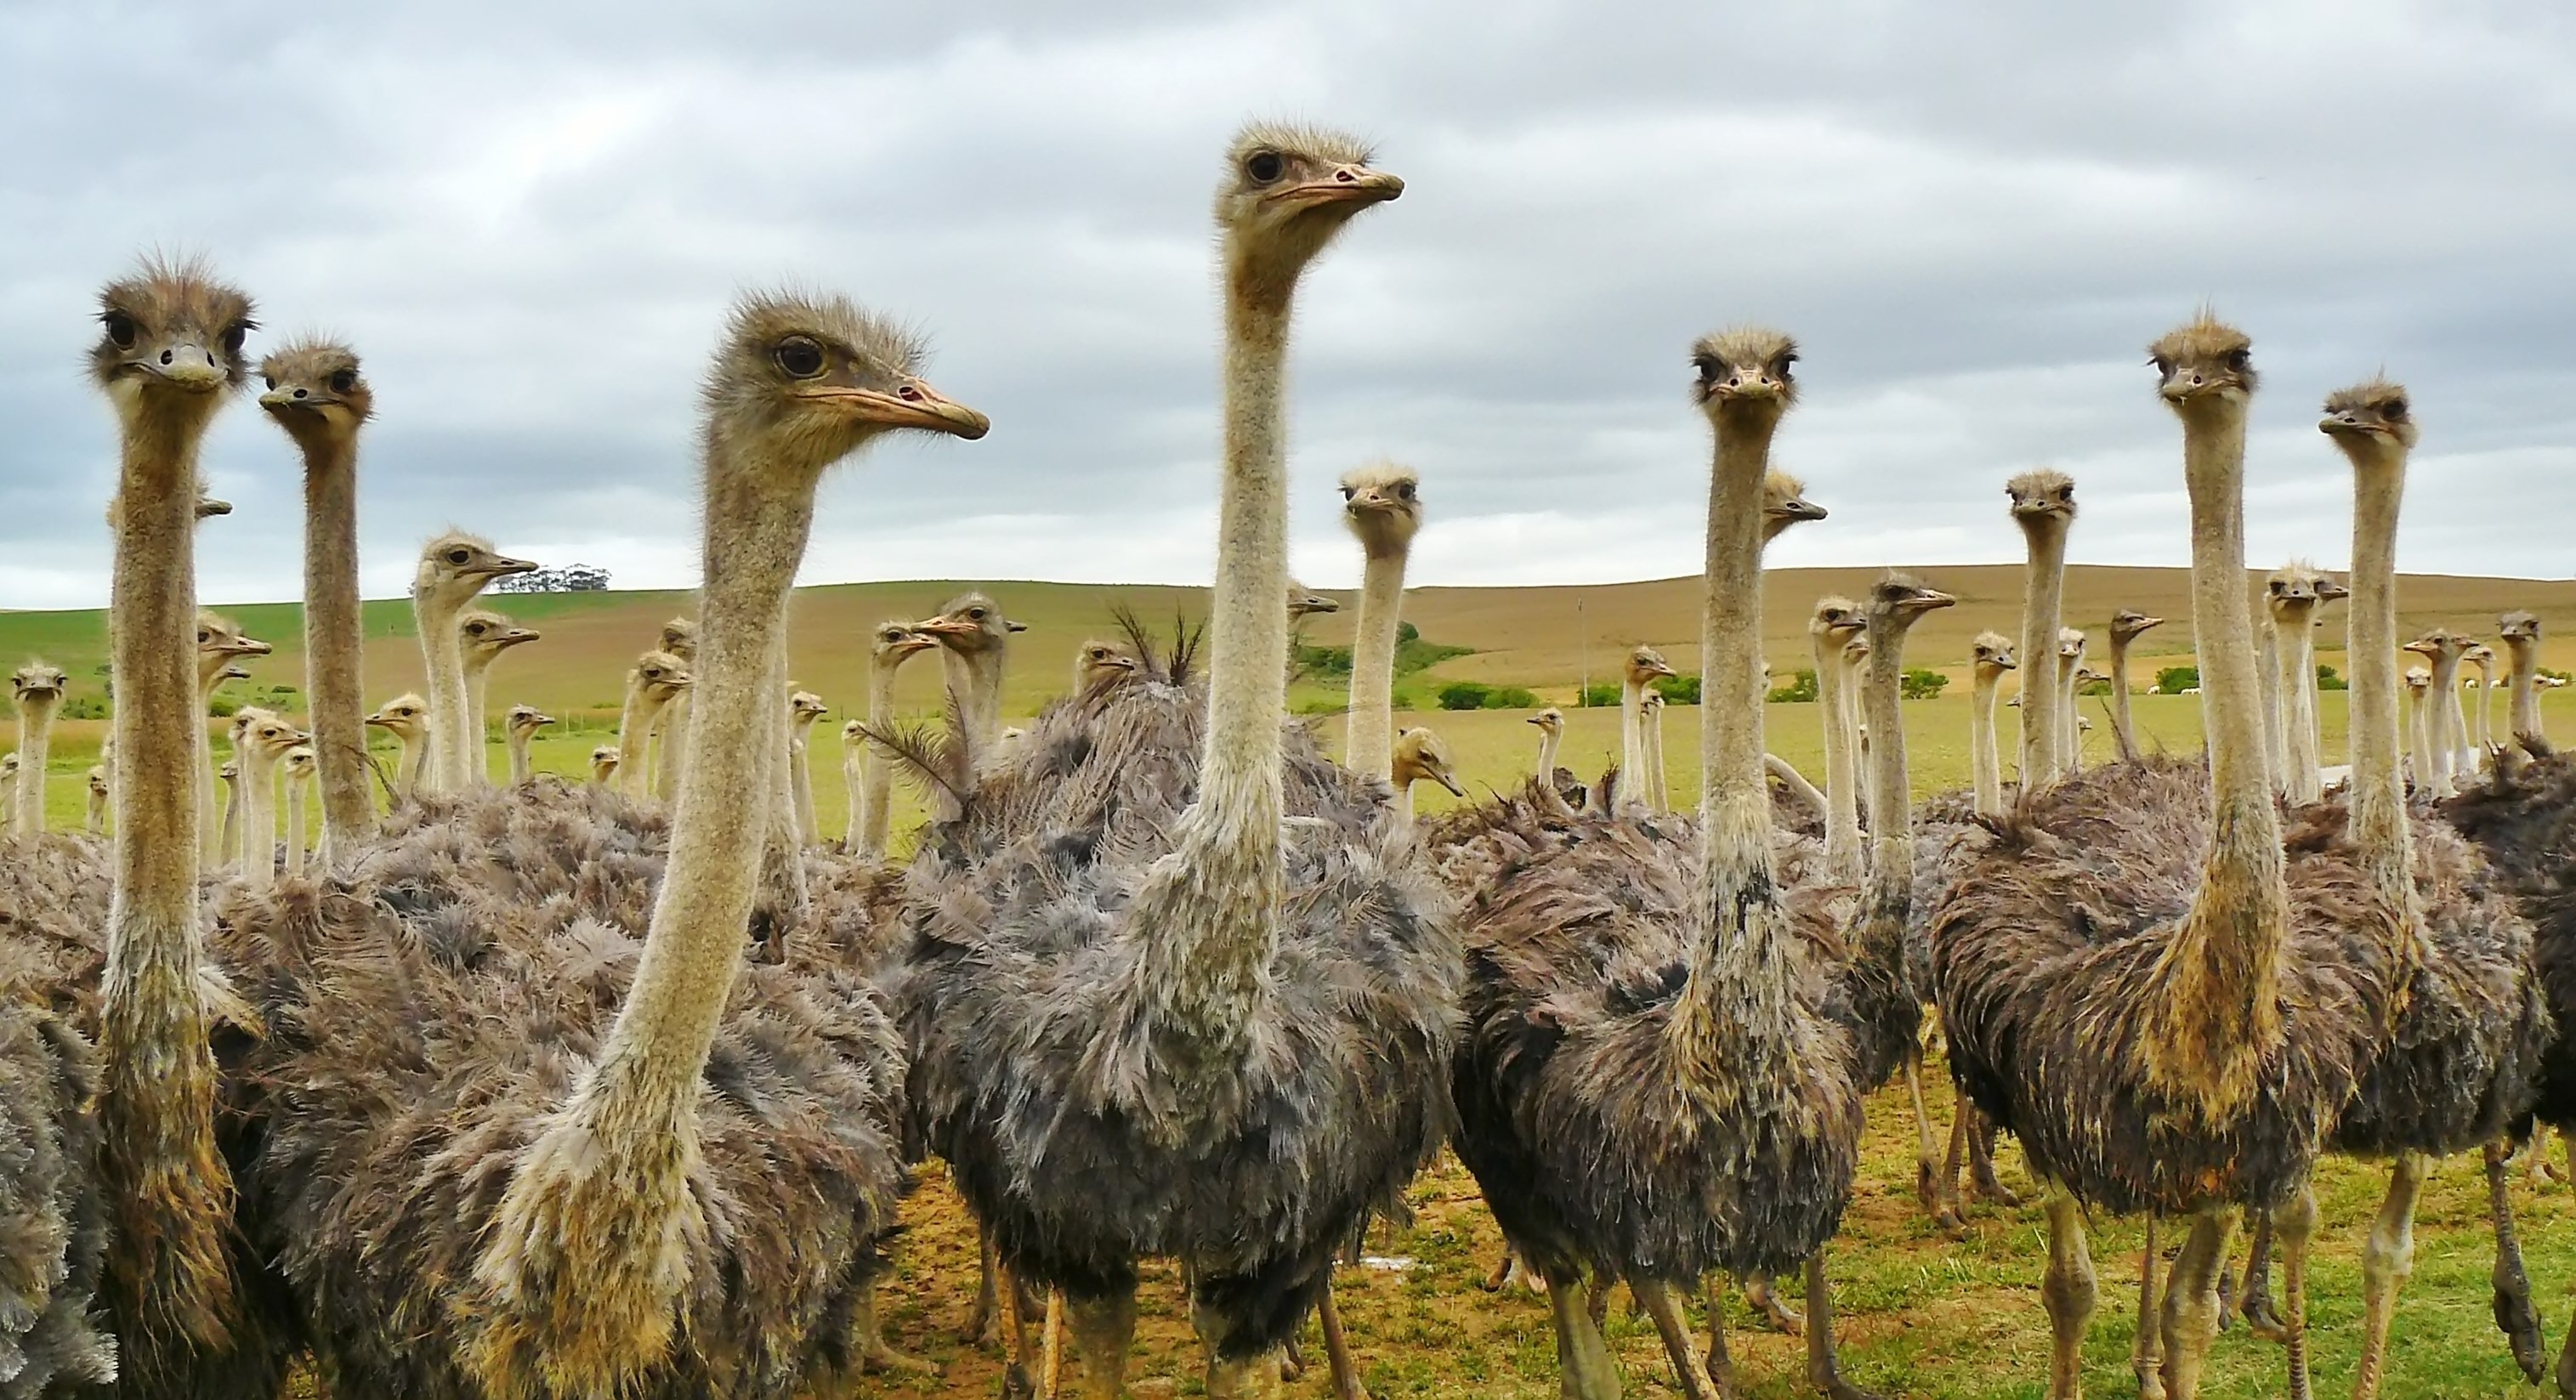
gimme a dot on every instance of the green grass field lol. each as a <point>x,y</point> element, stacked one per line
<point>1922,1314</point>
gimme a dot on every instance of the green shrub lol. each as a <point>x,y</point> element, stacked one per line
<point>223,707</point>
<point>1322,661</point>
<point>1510,697</point>
<point>1464,695</point>
<point>2328,680</point>
<point>1678,690</point>
<point>1801,689</point>
<point>1599,695</point>
<point>2094,688</point>
<point>1920,684</point>
<point>2174,680</point>
<point>85,707</point>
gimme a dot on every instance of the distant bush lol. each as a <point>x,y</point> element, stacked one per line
<point>1464,695</point>
<point>571,578</point>
<point>1599,695</point>
<point>223,707</point>
<point>1411,654</point>
<point>1322,661</point>
<point>2174,680</point>
<point>2094,688</point>
<point>2551,672</point>
<point>1510,697</point>
<point>1678,690</point>
<point>2328,680</point>
<point>1801,689</point>
<point>85,707</point>
<point>1920,684</point>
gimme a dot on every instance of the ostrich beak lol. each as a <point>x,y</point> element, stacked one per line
<point>1800,508</point>
<point>2328,590</point>
<point>913,404</point>
<point>502,566</point>
<point>1349,184</point>
<point>1443,778</point>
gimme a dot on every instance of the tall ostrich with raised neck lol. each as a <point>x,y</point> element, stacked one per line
<point>406,718</point>
<point>603,1249</point>
<point>38,688</point>
<point>297,771</point>
<point>1649,1085</point>
<point>170,354</point>
<point>2120,969</point>
<point>220,647</point>
<point>2482,734</point>
<point>1643,668</point>
<point>2043,505</point>
<point>2127,625</point>
<point>318,393</point>
<point>263,744</point>
<point>454,567</point>
<point>1657,790</point>
<point>804,707</point>
<point>483,635</point>
<point>872,792</point>
<point>656,678</point>
<point>2070,666</point>
<point>1382,507</point>
<point>2520,633</point>
<point>670,726</point>
<point>1989,656</point>
<point>2291,595</point>
<point>974,646</point>
<point>521,726</point>
<point>1835,621</point>
<point>2420,759</point>
<point>1137,1036</point>
<point>2443,648</point>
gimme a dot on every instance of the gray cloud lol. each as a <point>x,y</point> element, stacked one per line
<point>529,218</point>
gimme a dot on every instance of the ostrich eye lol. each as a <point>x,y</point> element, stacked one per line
<point>1264,167</point>
<point>203,637</point>
<point>234,335</point>
<point>2163,364</point>
<point>120,329</point>
<point>1405,490</point>
<point>2393,409</point>
<point>344,381</point>
<point>1350,492</point>
<point>458,556</point>
<point>975,614</point>
<point>271,380</point>
<point>800,357</point>
<point>1706,365</point>
<point>2240,361</point>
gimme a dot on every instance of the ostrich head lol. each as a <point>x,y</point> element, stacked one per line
<point>811,379</point>
<point>487,634</point>
<point>1836,620</point>
<point>1785,503</point>
<point>1288,189</point>
<point>1745,372</point>
<point>804,707</point>
<point>38,683</point>
<point>455,566</point>
<point>2041,497</point>
<point>1382,505</point>
<point>526,720</point>
<point>969,622</point>
<point>2070,645</point>
<point>2203,363</point>
<point>1420,756</point>
<point>603,763</point>
<point>170,344</point>
<point>894,641</point>
<point>1645,664</point>
<point>1991,653</point>
<point>1303,603</point>
<point>267,734</point>
<point>680,638</point>
<point>2128,624</point>
<point>1550,720</point>
<point>1101,663</point>
<point>2518,626</point>
<point>406,717</point>
<point>661,674</point>
<point>298,763</point>
<point>2373,413</point>
<point>217,636</point>
<point>316,391</point>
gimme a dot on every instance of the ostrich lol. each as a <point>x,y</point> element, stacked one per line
<point>1099,663</point>
<point>521,726</point>
<point>2043,505</point>
<point>603,765</point>
<point>220,647</point>
<point>1549,781</point>
<point>2127,625</point>
<point>484,635</point>
<point>95,820</point>
<point>804,707</point>
<point>262,744</point>
<point>2520,633</point>
<point>651,684</point>
<point>1420,757</point>
<point>1989,656</point>
<point>1654,790</point>
<point>318,394</point>
<point>1701,1112</point>
<point>671,726</point>
<point>2120,969</point>
<point>1644,667</point>
<point>2291,594</point>
<point>406,717</point>
<point>1191,1030</point>
<point>2473,1023</point>
<point>516,1196</point>
<point>2419,729</point>
<point>38,688</point>
<point>229,774</point>
<point>298,769</point>
<point>1382,506</point>
<point>2070,667</point>
<point>2443,648</point>
<point>872,803</point>
<point>453,568</point>
<point>1836,621</point>
<point>2482,739</point>
<point>8,792</point>
<point>974,641</point>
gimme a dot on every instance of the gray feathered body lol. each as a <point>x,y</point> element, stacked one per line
<point>426,1014</point>
<point>2045,956</point>
<point>1594,1144</point>
<point>2523,820</point>
<point>1040,1071</point>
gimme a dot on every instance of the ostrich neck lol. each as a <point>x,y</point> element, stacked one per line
<point>1655,760</point>
<point>671,727</point>
<point>442,652</point>
<point>2121,732</point>
<point>520,767</point>
<point>2218,1011</point>
<point>2442,718</point>
<point>2301,779</point>
<point>35,744</point>
<point>645,1084</point>
<point>2379,825</point>
<point>1733,1024</point>
<point>634,725</point>
<point>1207,914</point>
<point>1632,736</point>
<point>295,826</point>
<point>2070,738</point>
<point>1371,748</point>
<point>876,770</point>
<point>800,761</point>
<point>1984,764</point>
<point>259,819</point>
<point>2525,710</point>
<point>478,677</point>
<point>1548,740</point>
<point>157,1095</point>
<point>975,694</point>
<point>335,639</point>
<point>1890,892</point>
<point>2043,591</point>
<point>415,762</point>
<point>1842,796</point>
<point>2267,679</point>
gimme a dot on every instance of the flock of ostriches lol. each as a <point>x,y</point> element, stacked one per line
<point>614,1088</point>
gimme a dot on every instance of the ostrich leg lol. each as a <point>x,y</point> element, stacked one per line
<point>1585,1370</point>
<point>1928,1189</point>
<point>2147,1353</point>
<point>1345,1368</point>
<point>1721,1367</point>
<point>1765,1298</point>
<point>1103,1331</point>
<point>2191,1303</point>
<point>2296,1224</point>
<point>2387,1257</point>
<point>1664,1306</point>
<point>2260,1315</point>
<point>2068,1288</point>
<point>2515,1314</point>
<point>1981,1162</point>
<point>1824,1368</point>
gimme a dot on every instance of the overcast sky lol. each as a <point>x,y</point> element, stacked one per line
<point>529,217</point>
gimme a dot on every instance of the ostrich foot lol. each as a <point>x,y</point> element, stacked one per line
<point>1766,1301</point>
<point>2067,1286</point>
<point>1721,1367</point>
<point>1953,1207</point>
<point>984,1321</point>
<point>1824,1366</point>
<point>2147,1352</point>
<point>1292,1359</point>
<point>1337,1352</point>
<point>1509,1270</point>
<point>2516,1315</point>
<point>2261,1317</point>
<point>1665,1307</point>
<point>1256,1379</point>
<point>1584,1368</point>
<point>873,1352</point>
<point>1981,1165</point>
<point>2387,1257</point>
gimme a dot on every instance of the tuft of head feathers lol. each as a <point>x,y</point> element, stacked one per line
<point>171,323</point>
<point>2202,357</point>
